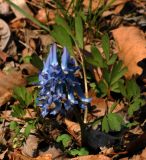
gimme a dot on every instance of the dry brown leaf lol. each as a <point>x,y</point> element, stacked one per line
<point>101,106</point>
<point>7,83</point>
<point>30,146</point>
<point>97,3</point>
<point>2,155</point>
<point>44,15</point>
<point>4,8</point>
<point>44,157</point>
<point>132,48</point>
<point>141,156</point>
<point>74,129</point>
<point>17,156</point>
<point>3,55</point>
<point>92,157</point>
<point>22,4</point>
<point>4,34</point>
<point>31,70</point>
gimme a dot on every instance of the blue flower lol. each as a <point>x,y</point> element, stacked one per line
<point>59,88</point>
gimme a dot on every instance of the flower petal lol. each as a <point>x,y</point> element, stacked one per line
<point>64,60</point>
<point>44,111</point>
<point>54,62</point>
<point>71,97</point>
<point>81,95</point>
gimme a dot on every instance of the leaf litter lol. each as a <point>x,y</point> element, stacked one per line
<point>30,40</point>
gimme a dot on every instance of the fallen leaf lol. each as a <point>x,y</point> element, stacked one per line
<point>101,106</point>
<point>22,4</point>
<point>74,129</point>
<point>44,157</point>
<point>4,34</point>
<point>3,56</point>
<point>7,83</point>
<point>4,8</point>
<point>2,155</point>
<point>30,147</point>
<point>18,156</point>
<point>131,44</point>
<point>143,154</point>
<point>92,157</point>
<point>29,68</point>
<point>55,153</point>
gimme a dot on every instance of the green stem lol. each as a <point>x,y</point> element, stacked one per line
<point>85,81</point>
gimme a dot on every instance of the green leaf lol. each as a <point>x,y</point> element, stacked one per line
<point>115,121</point>
<point>91,61</point>
<point>65,139</point>
<point>117,72</point>
<point>122,89</point>
<point>18,111</point>
<point>129,125</point>
<point>105,125</point>
<point>27,59</point>
<point>61,22</point>
<point>106,46</point>
<point>112,60</point>
<point>32,79</point>
<point>24,97</point>
<point>115,87</point>
<point>135,106</point>
<point>97,56</point>
<point>13,125</point>
<point>28,129</point>
<point>19,94</point>
<point>28,98</point>
<point>79,152</point>
<point>102,85</point>
<point>107,76</point>
<point>79,30</point>
<point>36,61</point>
<point>62,37</point>
<point>132,89</point>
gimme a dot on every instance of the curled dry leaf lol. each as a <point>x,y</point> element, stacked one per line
<point>4,34</point>
<point>131,48</point>
<point>74,129</point>
<point>92,157</point>
<point>7,83</point>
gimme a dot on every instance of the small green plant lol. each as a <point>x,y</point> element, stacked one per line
<point>79,152</point>
<point>65,139</point>
<point>112,122</point>
<point>112,69</point>
<point>23,127</point>
<point>131,92</point>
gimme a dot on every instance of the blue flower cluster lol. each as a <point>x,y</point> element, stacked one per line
<point>59,88</point>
